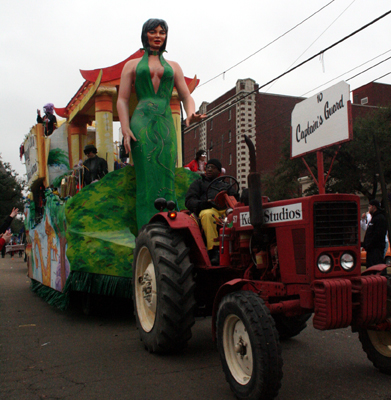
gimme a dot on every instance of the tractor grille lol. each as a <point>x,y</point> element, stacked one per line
<point>332,303</point>
<point>335,224</point>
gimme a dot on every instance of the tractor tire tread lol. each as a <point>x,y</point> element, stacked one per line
<point>265,336</point>
<point>176,303</point>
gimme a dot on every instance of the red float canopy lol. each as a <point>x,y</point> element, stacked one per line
<point>110,77</point>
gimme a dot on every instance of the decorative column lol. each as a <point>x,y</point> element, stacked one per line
<point>77,136</point>
<point>40,145</point>
<point>104,124</point>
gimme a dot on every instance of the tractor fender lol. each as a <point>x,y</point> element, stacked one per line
<point>228,287</point>
<point>183,222</point>
<point>375,269</point>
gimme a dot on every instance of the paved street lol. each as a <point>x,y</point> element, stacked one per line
<point>50,354</point>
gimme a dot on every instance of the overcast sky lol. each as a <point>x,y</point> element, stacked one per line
<point>43,44</point>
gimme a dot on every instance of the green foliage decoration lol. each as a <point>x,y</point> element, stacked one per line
<point>101,222</point>
<point>58,157</point>
<point>101,225</point>
<point>98,228</point>
<point>51,296</point>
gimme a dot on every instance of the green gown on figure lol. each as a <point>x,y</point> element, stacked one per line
<point>154,153</point>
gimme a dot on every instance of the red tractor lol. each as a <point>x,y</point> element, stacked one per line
<point>296,258</point>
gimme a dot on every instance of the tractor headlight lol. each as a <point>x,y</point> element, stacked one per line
<point>325,263</point>
<point>347,261</point>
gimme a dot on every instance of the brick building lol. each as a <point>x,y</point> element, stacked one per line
<point>369,97</point>
<point>264,117</point>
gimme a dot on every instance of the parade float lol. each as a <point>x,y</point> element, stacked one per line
<point>81,239</point>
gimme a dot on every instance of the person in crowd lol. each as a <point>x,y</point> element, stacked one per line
<point>49,119</point>
<point>374,240</point>
<point>365,220</point>
<point>4,239</point>
<point>95,167</point>
<point>151,135</point>
<point>6,224</point>
<point>208,212</point>
<point>4,227</point>
<point>198,164</point>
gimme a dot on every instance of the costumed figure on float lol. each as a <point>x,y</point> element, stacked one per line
<point>151,135</point>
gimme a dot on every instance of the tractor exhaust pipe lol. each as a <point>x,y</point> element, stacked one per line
<point>254,191</point>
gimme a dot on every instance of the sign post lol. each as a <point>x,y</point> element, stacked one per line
<point>321,121</point>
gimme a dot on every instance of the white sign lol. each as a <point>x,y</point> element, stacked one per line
<point>272,215</point>
<point>31,157</point>
<point>321,121</point>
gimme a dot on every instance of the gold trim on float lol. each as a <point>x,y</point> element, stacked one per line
<point>87,97</point>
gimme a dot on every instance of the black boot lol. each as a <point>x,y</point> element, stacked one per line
<point>214,256</point>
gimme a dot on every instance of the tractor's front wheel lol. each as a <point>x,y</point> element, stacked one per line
<point>249,347</point>
<point>288,327</point>
<point>377,344</point>
<point>163,287</point>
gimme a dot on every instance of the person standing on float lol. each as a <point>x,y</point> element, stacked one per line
<point>151,136</point>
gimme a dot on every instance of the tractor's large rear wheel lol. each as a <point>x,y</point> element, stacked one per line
<point>163,289</point>
<point>377,344</point>
<point>249,347</point>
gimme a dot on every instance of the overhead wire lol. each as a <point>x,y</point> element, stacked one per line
<point>339,76</point>
<point>373,66</point>
<point>289,111</point>
<point>317,40</point>
<point>388,73</point>
<point>285,121</point>
<point>245,95</point>
<point>270,43</point>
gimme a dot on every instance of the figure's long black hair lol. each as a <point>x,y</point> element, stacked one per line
<point>153,23</point>
<point>199,154</point>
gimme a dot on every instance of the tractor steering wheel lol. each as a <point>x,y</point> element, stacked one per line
<point>222,178</point>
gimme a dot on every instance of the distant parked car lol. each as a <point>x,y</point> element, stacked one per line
<point>364,256</point>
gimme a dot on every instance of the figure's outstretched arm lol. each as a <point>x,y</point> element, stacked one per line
<point>127,79</point>
<point>185,97</point>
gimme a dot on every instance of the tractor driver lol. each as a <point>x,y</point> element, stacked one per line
<point>206,209</point>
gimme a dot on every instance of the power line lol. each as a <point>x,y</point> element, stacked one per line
<point>339,76</point>
<point>237,135</point>
<point>286,121</point>
<point>292,69</point>
<point>388,73</point>
<point>318,39</point>
<point>373,66</point>
<point>264,47</point>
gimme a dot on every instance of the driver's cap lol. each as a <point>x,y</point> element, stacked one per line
<point>215,162</point>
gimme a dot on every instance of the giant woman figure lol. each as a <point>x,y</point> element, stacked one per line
<point>151,135</point>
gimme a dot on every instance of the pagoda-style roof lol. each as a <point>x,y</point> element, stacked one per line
<point>110,74</point>
<point>83,104</point>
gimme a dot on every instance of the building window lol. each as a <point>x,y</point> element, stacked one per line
<point>195,133</point>
<point>364,101</point>
<point>242,86</point>
<point>211,145</point>
<point>230,159</point>
<point>229,115</point>
<point>195,152</point>
<point>229,137</point>
<point>211,124</point>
